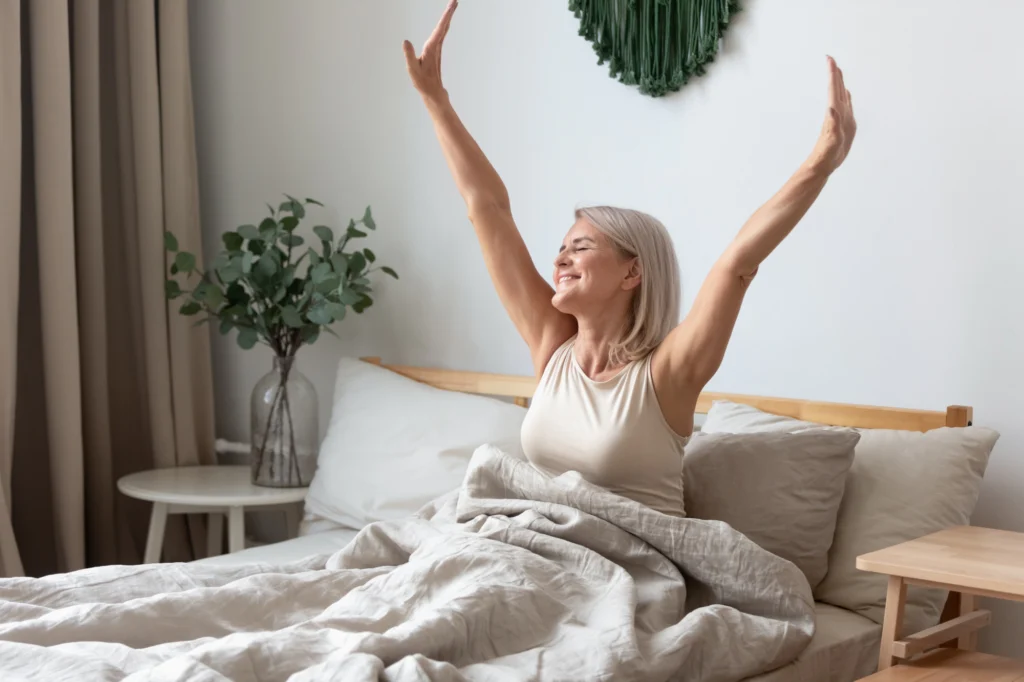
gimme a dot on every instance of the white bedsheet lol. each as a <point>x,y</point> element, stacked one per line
<point>844,647</point>
<point>285,552</point>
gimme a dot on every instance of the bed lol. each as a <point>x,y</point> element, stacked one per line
<point>783,494</point>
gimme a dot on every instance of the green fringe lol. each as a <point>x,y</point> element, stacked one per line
<point>655,44</point>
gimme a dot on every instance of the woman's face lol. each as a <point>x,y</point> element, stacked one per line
<point>591,273</point>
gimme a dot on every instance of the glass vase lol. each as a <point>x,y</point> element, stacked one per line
<point>285,429</point>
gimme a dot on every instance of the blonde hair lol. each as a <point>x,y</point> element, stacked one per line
<point>655,310</point>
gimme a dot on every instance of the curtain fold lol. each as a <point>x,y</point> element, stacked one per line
<point>10,232</point>
<point>108,379</point>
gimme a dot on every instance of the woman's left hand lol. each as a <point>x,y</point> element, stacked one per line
<point>840,127</point>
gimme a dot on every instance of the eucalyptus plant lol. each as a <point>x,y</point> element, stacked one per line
<point>272,287</point>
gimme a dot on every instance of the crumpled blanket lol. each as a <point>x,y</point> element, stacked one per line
<point>514,576</point>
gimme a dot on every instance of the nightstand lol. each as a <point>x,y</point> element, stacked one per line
<point>215,490</point>
<point>967,560</point>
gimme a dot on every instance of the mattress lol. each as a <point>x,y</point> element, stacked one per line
<point>326,542</point>
<point>844,647</point>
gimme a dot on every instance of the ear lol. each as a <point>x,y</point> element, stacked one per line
<point>634,276</point>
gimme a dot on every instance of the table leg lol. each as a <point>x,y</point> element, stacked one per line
<point>236,529</point>
<point>155,537</point>
<point>895,598</point>
<point>214,534</point>
<point>968,642</point>
<point>291,516</point>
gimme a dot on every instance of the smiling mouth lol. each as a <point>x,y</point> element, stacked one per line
<point>566,278</point>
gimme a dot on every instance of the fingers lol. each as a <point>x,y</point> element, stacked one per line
<point>833,83</point>
<point>410,54</point>
<point>441,30</point>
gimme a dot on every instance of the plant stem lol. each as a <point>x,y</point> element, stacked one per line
<point>266,432</point>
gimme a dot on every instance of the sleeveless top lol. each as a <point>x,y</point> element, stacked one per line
<point>611,432</point>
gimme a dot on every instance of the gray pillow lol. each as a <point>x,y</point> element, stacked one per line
<point>902,485</point>
<point>782,490</point>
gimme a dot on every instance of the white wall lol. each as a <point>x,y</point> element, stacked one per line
<point>901,287</point>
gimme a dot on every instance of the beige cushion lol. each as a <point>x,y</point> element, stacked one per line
<point>902,485</point>
<point>782,490</point>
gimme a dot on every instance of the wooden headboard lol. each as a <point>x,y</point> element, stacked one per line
<point>521,389</point>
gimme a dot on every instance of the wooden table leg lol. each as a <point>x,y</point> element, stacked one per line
<point>968,642</point>
<point>214,534</point>
<point>895,599</point>
<point>155,537</point>
<point>236,529</point>
<point>292,518</point>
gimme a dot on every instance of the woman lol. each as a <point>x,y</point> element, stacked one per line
<point>619,376</point>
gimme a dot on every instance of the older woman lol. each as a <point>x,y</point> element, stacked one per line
<point>619,374</point>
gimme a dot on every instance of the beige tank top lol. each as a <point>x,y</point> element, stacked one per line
<point>611,432</point>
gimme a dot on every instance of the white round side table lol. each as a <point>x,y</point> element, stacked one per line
<point>215,490</point>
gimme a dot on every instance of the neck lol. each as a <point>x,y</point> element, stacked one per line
<point>594,340</point>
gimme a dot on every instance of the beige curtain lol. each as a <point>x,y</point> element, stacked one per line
<point>99,377</point>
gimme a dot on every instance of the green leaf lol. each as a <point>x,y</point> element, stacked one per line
<point>337,311</point>
<point>271,209</point>
<point>314,258</point>
<point>232,241</point>
<point>174,269</point>
<point>237,294</point>
<point>230,273</point>
<point>292,240</point>
<point>356,263</point>
<point>320,272</point>
<point>171,289</point>
<point>309,334</point>
<point>170,242</point>
<point>370,255</point>
<point>267,265</point>
<point>349,297</point>
<point>340,264</point>
<point>363,304</point>
<point>247,337</point>
<point>289,223</point>
<point>214,297</point>
<point>293,207</point>
<point>313,201</point>
<point>324,233</point>
<point>246,263</point>
<point>290,316</point>
<point>257,247</point>
<point>328,284</point>
<point>319,315</point>
<point>249,231</point>
<point>389,271</point>
<point>190,308</point>
<point>226,325</point>
<point>267,229</point>
<point>368,220</point>
<point>185,261</point>
<point>354,233</point>
<point>289,276</point>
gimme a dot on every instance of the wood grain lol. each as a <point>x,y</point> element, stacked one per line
<point>970,559</point>
<point>833,414</point>
<point>960,627</point>
<point>950,665</point>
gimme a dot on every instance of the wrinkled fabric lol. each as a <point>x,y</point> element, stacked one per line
<point>515,576</point>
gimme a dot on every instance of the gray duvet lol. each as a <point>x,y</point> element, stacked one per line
<point>515,576</point>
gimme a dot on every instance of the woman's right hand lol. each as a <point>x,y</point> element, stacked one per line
<point>425,70</point>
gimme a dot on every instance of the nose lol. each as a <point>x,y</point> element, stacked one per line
<point>562,259</point>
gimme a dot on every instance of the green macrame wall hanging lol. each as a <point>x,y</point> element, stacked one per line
<point>655,44</point>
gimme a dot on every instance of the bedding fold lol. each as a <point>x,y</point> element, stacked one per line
<point>514,576</point>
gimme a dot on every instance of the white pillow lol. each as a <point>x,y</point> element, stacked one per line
<point>902,485</point>
<point>394,444</point>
